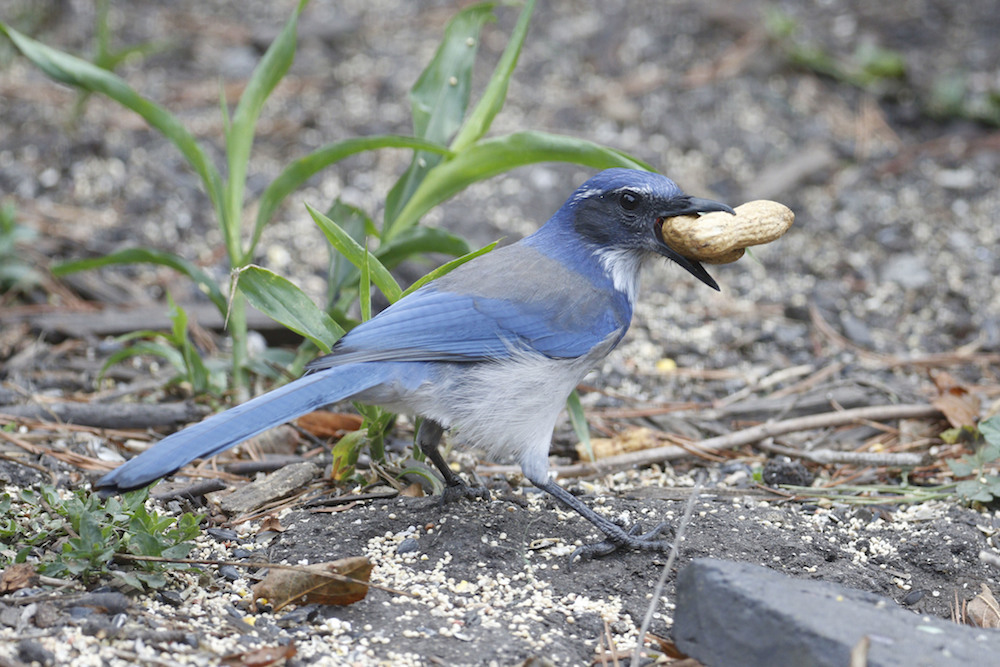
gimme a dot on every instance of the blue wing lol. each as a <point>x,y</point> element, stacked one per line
<point>481,311</point>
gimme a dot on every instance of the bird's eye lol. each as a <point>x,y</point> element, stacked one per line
<point>628,200</point>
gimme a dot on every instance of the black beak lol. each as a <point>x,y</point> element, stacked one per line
<point>688,206</point>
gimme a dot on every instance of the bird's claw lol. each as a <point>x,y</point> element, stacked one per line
<point>625,540</point>
<point>463,491</point>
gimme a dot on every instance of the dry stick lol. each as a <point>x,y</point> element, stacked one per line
<point>749,436</point>
<point>658,589</point>
<point>887,459</point>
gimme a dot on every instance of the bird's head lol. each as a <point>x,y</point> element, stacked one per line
<point>622,210</point>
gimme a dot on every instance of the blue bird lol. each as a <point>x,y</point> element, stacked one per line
<point>491,350</point>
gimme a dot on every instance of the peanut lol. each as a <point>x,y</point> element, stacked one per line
<point>720,238</point>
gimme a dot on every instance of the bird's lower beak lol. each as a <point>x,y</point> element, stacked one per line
<point>688,206</point>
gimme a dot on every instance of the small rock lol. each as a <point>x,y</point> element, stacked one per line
<point>408,545</point>
<point>30,651</point>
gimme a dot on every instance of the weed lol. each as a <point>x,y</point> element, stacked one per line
<point>78,536</point>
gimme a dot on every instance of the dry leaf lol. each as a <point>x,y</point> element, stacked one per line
<point>313,584</point>
<point>960,407</point>
<point>413,491</point>
<point>279,440</point>
<point>983,610</point>
<point>17,576</point>
<point>261,657</point>
<point>323,424</point>
<point>272,524</point>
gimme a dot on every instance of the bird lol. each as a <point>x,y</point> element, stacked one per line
<point>490,350</point>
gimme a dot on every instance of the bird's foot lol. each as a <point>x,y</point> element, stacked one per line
<point>462,491</point>
<point>623,540</point>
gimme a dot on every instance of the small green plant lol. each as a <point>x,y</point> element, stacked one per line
<point>15,273</point>
<point>869,67</point>
<point>80,536</point>
<point>984,486</point>
<point>176,348</point>
<point>450,153</point>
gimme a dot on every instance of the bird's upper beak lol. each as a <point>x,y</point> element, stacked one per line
<point>687,206</point>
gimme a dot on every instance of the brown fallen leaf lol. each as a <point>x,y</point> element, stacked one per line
<point>983,610</point>
<point>413,491</point>
<point>338,582</point>
<point>272,524</point>
<point>261,657</point>
<point>960,407</point>
<point>17,576</point>
<point>323,424</point>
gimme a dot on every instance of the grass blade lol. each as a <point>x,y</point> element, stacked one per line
<point>579,421</point>
<point>79,73</point>
<point>490,157</point>
<point>300,171</point>
<point>150,256</point>
<point>445,268</point>
<point>356,254</point>
<point>285,303</point>
<point>239,139</point>
<point>479,121</point>
<point>418,240</point>
<point>440,98</point>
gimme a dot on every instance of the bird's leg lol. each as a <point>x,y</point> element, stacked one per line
<point>617,537</point>
<point>428,437</point>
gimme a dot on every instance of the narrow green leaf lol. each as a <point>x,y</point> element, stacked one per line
<point>283,302</point>
<point>445,268</point>
<point>340,272</point>
<point>440,97</point>
<point>144,347</point>
<point>490,157</point>
<point>419,240</point>
<point>355,253</point>
<point>365,286</point>
<point>150,256</point>
<point>300,171</point>
<point>579,421</point>
<point>479,121</point>
<point>82,74</point>
<point>239,139</point>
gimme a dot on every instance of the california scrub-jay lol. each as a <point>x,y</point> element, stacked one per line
<point>491,350</point>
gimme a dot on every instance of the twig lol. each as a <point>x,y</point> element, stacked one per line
<point>658,589</point>
<point>887,460</point>
<point>745,437</point>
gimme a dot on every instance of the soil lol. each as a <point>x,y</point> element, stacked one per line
<point>888,278</point>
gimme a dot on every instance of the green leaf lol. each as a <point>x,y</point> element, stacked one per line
<point>479,121</point>
<point>960,468</point>
<point>300,171</point>
<point>283,302</point>
<point>140,348</point>
<point>579,421</point>
<point>341,272</point>
<point>150,256</point>
<point>448,266</point>
<point>365,287</point>
<point>490,157</point>
<point>79,73</point>
<point>439,98</point>
<point>419,240</point>
<point>990,430</point>
<point>239,139</point>
<point>356,253</point>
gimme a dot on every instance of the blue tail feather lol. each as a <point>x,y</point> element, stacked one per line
<point>227,429</point>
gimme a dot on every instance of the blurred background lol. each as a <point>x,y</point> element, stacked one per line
<point>877,123</point>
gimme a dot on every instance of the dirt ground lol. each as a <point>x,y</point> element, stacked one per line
<point>889,277</point>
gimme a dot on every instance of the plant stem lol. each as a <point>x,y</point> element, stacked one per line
<point>238,333</point>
